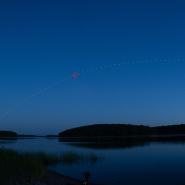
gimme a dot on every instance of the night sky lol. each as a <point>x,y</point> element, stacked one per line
<point>69,63</point>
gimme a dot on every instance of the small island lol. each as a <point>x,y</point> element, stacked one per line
<point>8,135</point>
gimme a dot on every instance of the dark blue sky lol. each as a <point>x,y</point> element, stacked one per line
<point>43,42</point>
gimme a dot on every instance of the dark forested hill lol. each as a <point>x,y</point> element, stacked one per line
<point>114,130</point>
<point>106,130</point>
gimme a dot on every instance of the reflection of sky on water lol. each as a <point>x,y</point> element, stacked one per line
<point>36,145</point>
<point>2,142</point>
<point>154,163</point>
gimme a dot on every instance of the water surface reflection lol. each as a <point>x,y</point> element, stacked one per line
<point>129,163</point>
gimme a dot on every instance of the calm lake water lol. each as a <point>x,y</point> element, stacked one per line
<point>154,163</point>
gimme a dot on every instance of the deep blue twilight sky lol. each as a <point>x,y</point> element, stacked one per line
<point>43,42</point>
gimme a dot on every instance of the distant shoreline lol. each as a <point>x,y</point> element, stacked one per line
<point>102,131</point>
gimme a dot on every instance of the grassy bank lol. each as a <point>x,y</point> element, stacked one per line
<point>23,167</point>
<point>70,158</point>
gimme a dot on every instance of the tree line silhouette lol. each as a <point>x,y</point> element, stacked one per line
<point>114,132</point>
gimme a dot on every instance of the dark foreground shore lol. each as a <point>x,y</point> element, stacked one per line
<point>53,178</point>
